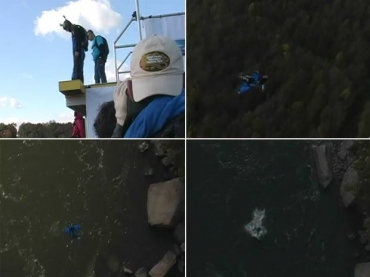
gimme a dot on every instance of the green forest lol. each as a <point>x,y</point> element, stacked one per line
<point>317,57</point>
<point>50,129</point>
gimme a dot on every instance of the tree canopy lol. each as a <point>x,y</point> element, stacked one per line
<point>316,55</point>
<point>50,129</point>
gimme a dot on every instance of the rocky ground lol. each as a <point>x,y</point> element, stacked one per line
<point>166,213</point>
<point>335,163</point>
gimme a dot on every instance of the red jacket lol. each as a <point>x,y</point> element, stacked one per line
<point>79,126</point>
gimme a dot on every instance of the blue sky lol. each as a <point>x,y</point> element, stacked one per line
<point>37,54</point>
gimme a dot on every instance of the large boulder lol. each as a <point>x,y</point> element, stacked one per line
<point>345,148</point>
<point>166,203</point>
<point>141,272</point>
<point>164,265</point>
<point>158,148</point>
<point>362,270</point>
<point>323,166</point>
<point>350,179</point>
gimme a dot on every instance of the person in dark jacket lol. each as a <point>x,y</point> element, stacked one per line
<point>100,55</point>
<point>79,46</point>
<point>78,126</point>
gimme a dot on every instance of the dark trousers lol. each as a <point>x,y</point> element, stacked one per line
<point>100,77</point>
<point>78,67</point>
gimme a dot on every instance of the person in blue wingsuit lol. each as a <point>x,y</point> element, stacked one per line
<point>80,45</point>
<point>72,231</point>
<point>249,82</point>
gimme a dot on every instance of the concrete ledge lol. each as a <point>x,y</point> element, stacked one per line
<point>74,87</point>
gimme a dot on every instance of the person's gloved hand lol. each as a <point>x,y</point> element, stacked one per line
<point>120,105</point>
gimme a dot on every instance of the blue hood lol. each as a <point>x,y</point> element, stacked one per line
<point>156,115</point>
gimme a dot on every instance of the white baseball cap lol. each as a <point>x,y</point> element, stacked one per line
<point>157,67</point>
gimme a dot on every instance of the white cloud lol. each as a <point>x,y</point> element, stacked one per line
<point>97,15</point>
<point>6,101</point>
<point>65,117</point>
<point>9,120</point>
<point>15,104</point>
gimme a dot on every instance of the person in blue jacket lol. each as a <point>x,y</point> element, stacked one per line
<point>79,47</point>
<point>251,81</point>
<point>100,51</point>
<point>151,103</point>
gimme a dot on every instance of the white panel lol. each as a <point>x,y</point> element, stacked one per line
<point>95,97</point>
<point>172,26</point>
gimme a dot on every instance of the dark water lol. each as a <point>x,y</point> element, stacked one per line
<point>307,228</point>
<point>98,184</point>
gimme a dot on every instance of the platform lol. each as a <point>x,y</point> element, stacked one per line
<point>110,84</point>
<point>74,87</point>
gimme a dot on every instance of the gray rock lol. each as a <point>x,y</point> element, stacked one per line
<point>350,178</point>
<point>183,247</point>
<point>141,272</point>
<point>346,145</point>
<point>166,161</point>
<point>362,270</point>
<point>323,166</point>
<point>164,265</point>
<point>158,148</point>
<point>143,147</point>
<point>179,233</point>
<point>342,154</point>
<point>344,149</point>
<point>166,203</point>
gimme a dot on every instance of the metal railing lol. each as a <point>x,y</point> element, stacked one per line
<point>134,18</point>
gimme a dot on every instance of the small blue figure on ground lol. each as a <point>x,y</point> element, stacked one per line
<point>72,230</point>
